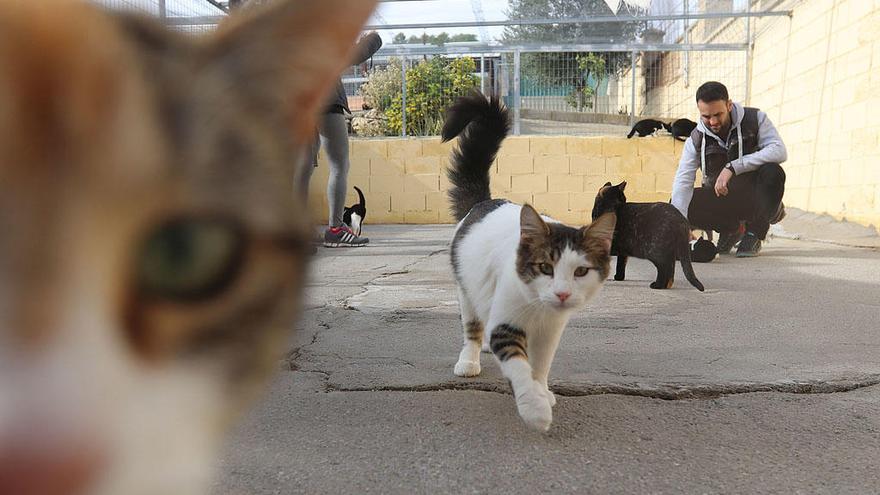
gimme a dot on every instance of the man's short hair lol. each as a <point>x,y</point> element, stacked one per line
<point>712,91</point>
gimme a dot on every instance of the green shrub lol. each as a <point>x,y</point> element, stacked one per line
<point>431,85</point>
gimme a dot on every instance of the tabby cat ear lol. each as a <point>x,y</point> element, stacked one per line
<point>531,225</point>
<point>622,186</point>
<point>607,184</point>
<point>601,231</point>
<point>290,53</point>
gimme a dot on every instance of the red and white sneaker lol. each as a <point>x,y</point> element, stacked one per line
<point>342,236</point>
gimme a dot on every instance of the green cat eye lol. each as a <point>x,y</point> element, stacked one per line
<point>581,271</point>
<point>546,269</point>
<point>190,258</point>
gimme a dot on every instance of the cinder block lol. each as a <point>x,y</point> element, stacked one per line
<point>656,145</point>
<point>581,201</point>
<point>446,217</point>
<point>533,183</point>
<point>619,147</point>
<point>362,181</point>
<point>659,163</point>
<point>407,201</point>
<point>623,165</point>
<point>520,198</point>
<point>422,165</point>
<point>386,184</point>
<point>592,183</point>
<point>565,183</point>
<point>385,217</point>
<point>499,184</point>
<point>436,201</point>
<point>514,145</point>
<point>422,183</point>
<point>433,147</point>
<point>586,165</point>
<point>641,183</point>
<point>359,165</point>
<point>377,201</point>
<point>386,166</point>
<point>588,146</point>
<point>515,164</point>
<point>573,218</point>
<point>663,183</point>
<point>369,148</point>
<point>404,148</point>
<point>546,145</point>
<point>445,185</point>
<point>551,203</point>
<point>421,217</point>
<point>551,164</point>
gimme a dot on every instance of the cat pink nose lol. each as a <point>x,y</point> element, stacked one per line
<point>563,296</point>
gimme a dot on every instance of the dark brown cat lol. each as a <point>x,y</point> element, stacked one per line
<point>656,232</point>
<point>152,253</point>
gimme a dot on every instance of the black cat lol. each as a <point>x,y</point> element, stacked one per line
<point>657,232</point>
<point>682,128</point>
<point>354,215</point>
<point>647,127</point>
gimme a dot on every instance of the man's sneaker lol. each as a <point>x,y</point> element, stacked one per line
<point>726,240</point>
<point>779,215</point>
<point>342,236</point>
<point>749,246</point>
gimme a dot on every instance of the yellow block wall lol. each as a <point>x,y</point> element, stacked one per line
<point>818,78</point>
<point>404,181</point>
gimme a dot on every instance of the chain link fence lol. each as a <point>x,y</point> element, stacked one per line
<point>584,73</point>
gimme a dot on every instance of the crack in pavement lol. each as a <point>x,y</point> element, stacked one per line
<point>346,302</point>
<point>664,391</point>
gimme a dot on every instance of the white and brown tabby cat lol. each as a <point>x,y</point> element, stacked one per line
<point>150,252</point>
<point>520,276</point>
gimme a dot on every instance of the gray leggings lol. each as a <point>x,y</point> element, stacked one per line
<point>334,138</point>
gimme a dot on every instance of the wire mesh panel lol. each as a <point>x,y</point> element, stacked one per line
<point>193,16</point>
<point>407,96</point>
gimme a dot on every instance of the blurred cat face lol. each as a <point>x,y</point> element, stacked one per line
<point>150,265</point>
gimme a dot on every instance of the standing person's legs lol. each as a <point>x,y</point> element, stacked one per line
<point>305,167</point>
<point>334,137</point>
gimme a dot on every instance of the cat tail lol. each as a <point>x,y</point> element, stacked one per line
<point>361,200</point>
<point>633,131</point>
<point>684,256</point>
<point>481,125</point>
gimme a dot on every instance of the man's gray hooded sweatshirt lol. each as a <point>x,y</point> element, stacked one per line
<point>770,149</point>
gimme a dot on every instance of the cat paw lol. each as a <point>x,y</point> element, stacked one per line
<point>551,398</point>
<point>619,277</point>
<point>485,348</point>
<point>467,368</point>
<point>655,285</point>
<point>534,407</point>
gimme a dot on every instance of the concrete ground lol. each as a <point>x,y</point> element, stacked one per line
<point>765,383</point>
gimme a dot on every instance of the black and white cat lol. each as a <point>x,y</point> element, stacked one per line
<point>520,275</point>
<point>647,127</point>
<point>354,215</point>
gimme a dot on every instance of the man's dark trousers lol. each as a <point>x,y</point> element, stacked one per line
<point>753,197</point>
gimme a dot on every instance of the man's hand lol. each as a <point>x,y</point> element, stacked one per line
<point>721,184</point>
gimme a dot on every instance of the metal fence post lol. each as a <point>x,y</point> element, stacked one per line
<point>516,91</point>
<point>632,98</point>
<point>403,97</point>
<point>483,73</point>
<point>748,53</point>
